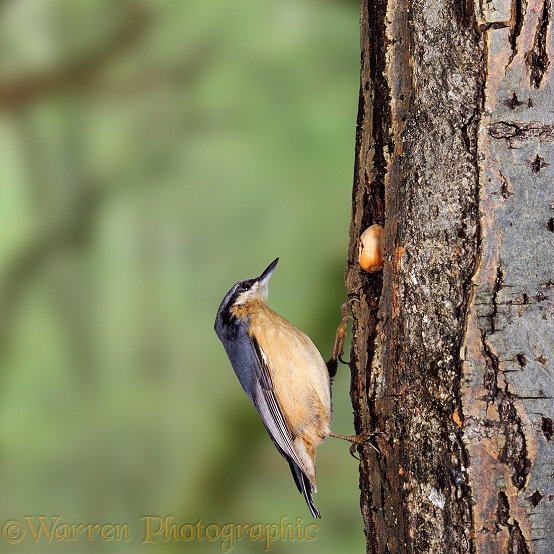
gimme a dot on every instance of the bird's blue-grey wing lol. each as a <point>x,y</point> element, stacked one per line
<point>248,362</point>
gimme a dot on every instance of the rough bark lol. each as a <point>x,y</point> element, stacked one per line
<point>452,349</point>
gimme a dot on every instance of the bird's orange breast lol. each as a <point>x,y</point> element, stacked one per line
<point>300,377</point>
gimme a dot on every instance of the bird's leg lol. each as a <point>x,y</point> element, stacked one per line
<point>340,337</point>
<point>356,440</point>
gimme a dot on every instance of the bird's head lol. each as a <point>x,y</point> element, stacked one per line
<point>246,292</point>
<point>253,289</point>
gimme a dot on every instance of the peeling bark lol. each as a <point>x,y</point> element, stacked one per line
<point>452,344</point>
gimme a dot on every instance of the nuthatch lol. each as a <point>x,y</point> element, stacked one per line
<point>283,374</point>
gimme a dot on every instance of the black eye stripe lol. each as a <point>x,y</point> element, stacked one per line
<point>243,287</point>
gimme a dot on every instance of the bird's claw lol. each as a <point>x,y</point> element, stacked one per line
<point>363,438</point>
<point>340,338</point>
<point>352,450</point>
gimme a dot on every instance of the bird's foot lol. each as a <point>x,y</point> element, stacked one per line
<point>362,438</point>
<point>340,338</point>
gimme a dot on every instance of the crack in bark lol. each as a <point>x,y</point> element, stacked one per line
<point>515,130</point>
<point>502,509</point>
<point>535,498</point>
<point>516,540</point>
<point>464,12</point>
<point>537,164</point>
<point>547,428</point>
<point>521,360</point>
<point>514,452</point>
<point>381,107</point>
<point>513,102</point>
<point>505,189</point>
<point>537,58</point>
<point>470,140</point>
<point>519,7</point>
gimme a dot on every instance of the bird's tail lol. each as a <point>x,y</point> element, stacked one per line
<point>305,486</point>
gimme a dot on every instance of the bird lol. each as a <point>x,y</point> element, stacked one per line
<point>283,375</point>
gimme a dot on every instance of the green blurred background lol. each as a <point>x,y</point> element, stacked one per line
<point>153,153</point>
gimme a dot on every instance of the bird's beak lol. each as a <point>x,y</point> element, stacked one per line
<point>264,278</point>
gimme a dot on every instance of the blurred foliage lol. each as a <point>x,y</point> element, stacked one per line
<point>152,154</point>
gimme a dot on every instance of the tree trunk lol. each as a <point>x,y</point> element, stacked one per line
<point>453,343</point>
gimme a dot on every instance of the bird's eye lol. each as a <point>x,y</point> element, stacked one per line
<point>244,287</point>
